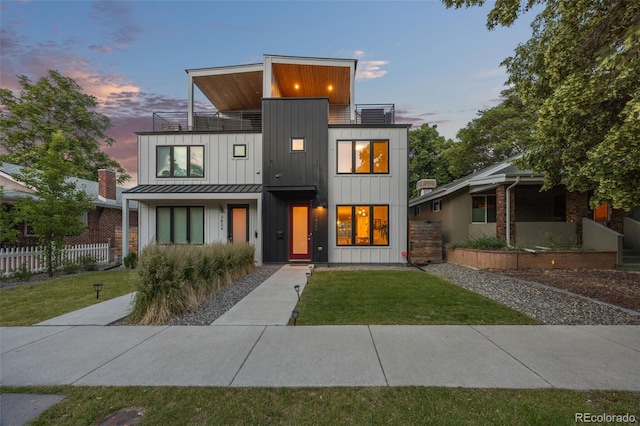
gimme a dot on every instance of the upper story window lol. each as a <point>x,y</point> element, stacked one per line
<point>297,145</point>
<point>436,205</point>
<point>179,161</point>
<point>483,209</point>
<point>363,156</point>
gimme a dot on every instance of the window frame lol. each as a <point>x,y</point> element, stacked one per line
<point>244,147</point>
<point>304,145</point>
<point>172,161</point>
<point>486,209</point>
<point>437,203</point>
<point>172,227</point>
<point>353,222</point>
<point>372,143</point>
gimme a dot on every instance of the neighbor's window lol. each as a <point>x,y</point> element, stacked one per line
<point>483,209</point>
<point>436,206</point>
<point>180,161</point>
<point>180,225</point>
<point>297,144</point>
<point>362,156</point>
<point>239,151</point>
<point>362,225</point>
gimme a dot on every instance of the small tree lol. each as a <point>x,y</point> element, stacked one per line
<point>54,209</point>
<point>7,231</point>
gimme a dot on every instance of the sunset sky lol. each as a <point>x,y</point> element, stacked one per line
<point>437,65</point>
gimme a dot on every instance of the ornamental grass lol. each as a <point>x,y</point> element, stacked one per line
<point>175,279</point>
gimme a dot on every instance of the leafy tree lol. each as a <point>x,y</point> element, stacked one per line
<point>56,206</point>
<point>425,157</point>
<point>7,230</point>
<point>497,134</point>
<point>581,71</point>
<point>55,103</point>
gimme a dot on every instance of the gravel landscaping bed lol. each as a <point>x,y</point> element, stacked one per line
<point>547,304</point>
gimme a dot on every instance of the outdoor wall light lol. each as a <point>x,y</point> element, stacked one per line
<point>297,289</point>
<point>294,315</point>
<point>97,287</point>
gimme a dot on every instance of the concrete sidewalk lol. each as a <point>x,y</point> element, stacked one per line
<point>568,357</point>
<point>103,313</point>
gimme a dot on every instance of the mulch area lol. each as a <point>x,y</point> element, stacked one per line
<point>619,288</point>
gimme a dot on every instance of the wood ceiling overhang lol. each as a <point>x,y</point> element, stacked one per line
<point>241,88</point>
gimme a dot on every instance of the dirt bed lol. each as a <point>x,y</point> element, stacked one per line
<point>615,287</point>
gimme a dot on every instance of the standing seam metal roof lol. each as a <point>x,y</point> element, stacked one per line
<point>195,189</point>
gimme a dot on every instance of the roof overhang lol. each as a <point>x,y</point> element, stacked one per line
<point>203,192</point>
<point>242,87</point>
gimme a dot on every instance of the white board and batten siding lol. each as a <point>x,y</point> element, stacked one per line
<point>388,189</point>
<point>219,165</point>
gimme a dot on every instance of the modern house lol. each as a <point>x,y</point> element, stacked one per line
<point>103,223</point>
<point>480,203</point>
<point>287,162</point>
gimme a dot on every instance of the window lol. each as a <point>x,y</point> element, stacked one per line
<point>436,206</point>
<point>297,144</point>
<point>180,225</point>
<point>416,210</point>
<point>180,161</point>
<point>239,151</point>
<point>363,156</point>
<point>483,209</point>
<point>362,225</point>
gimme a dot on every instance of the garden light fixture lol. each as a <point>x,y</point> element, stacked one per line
<point>297,289</point>
<point>97,287</point>
<point>294,315</point>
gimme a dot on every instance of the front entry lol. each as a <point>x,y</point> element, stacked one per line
<point>299,232</point>
<point>238,223</point>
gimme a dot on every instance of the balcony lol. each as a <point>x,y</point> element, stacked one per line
<point>251,120</point>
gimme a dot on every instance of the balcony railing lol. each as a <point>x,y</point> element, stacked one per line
<point>251,120</point>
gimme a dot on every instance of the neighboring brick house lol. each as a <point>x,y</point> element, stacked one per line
<point>506,202</point>
<point>101,222</point>
<point>287,162</point>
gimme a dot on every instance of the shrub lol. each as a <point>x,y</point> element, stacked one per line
<point>485,242</point>
<point>88,262</point>
<point>131,260</point>
<point>176,279</point>
<point>23,273</point>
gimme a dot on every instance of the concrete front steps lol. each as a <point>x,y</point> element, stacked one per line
<point>630,261</point>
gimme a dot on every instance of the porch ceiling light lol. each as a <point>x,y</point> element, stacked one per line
<point>97,287</point>
<point>294,315</point>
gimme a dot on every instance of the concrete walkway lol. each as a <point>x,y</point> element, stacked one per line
<point>254,349</point>
<point>272,302</point>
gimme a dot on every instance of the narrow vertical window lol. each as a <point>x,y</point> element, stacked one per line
<point>345,157</point>
<point>343,225</point>
<point>380,157</point>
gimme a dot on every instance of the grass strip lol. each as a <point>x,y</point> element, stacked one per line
<point>386,297</point>
<point>330,406</point>
<point>32,303</point>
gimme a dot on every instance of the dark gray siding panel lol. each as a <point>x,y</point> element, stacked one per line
<point>283,119</point>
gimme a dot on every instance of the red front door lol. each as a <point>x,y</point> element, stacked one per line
<point>299,232</point>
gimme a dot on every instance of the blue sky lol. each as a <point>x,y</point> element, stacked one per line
<point>437,65</point>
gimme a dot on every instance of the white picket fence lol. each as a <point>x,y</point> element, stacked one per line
<point>13,259</point>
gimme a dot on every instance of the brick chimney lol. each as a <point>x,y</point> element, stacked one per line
<point>107,184</point>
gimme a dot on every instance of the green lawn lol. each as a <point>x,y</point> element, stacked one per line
<point>396,297</point>
<point>331,406</point>
<point>32,303</point>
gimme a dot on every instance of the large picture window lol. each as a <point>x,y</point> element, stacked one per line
<point>483,209</point>
<point>179,161</point>
<point>362,156</point>
<point>180,225</point>
<point>362,225</point>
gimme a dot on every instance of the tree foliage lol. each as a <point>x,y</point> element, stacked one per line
<point>497,134</point>
<point>7,230</point>
<point>581,71</point>
<point>55,103</point>
<point>55,208</point>
<point>425,157</point>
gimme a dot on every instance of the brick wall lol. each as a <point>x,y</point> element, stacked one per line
<point>133,240</point>
<point>425,242</point>
<point>577,208</point>
<point>107,184</point>
<point>503,260</point>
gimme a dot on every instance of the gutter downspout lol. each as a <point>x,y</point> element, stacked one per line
<point>513,185</point>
